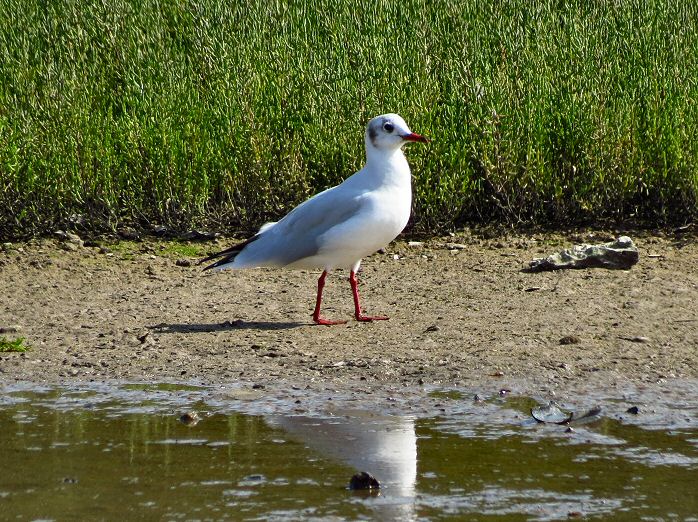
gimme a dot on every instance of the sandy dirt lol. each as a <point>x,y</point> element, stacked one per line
<point>457,316</point>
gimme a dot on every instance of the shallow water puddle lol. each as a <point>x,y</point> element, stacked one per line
<point>104,453</point>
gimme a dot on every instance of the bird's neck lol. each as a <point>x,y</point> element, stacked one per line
<point>388,166</point>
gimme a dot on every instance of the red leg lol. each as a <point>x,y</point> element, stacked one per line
<point>357,306</point>
<point>318,302</point>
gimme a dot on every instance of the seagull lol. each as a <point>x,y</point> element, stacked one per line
<point>341,225</point>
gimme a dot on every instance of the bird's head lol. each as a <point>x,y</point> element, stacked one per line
<point>389,132</point>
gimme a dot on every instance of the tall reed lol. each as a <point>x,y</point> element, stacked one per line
<point>226,114</point>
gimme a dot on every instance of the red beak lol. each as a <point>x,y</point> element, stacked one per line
<point>415,137</point>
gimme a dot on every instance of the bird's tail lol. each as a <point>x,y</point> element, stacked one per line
<point>228,255</point>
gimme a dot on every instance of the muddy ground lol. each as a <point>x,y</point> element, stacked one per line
<point>458,317</point>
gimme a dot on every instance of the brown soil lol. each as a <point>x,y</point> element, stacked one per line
<point>457,317</point>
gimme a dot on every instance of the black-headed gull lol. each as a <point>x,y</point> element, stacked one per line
<point>339,226</point>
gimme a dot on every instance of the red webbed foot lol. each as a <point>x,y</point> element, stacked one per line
<point>327,322</point>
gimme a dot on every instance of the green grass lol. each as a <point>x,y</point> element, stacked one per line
<point>172,248</point>
<point>16,345</point>
<point>183,249</point>
<point>226,114</point>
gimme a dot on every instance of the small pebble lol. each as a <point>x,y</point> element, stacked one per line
<point>570,339</point>
<point>10,329</point>
<point>145,338</point>
<point>74,238</point>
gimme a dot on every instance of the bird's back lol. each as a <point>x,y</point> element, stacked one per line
<point>335,228</point>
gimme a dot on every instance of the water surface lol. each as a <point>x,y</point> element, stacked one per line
<point>124,453</point>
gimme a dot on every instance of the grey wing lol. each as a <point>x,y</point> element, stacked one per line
<point>297,235</point>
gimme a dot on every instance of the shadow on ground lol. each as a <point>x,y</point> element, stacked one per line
<point>224,326</point>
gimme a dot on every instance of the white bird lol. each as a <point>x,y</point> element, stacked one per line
<point>339,226</point>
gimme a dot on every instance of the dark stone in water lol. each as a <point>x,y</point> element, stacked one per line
<point>633,409</point>
<point>189,418</point>
<point>364,480</point>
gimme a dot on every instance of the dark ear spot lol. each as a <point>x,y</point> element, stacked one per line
<point>372,134</point>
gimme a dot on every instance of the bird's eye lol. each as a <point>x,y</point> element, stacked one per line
<point>388,127</point>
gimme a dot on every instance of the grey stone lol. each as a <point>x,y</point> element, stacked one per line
<point>619,254</point>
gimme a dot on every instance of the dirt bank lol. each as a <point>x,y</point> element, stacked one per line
<point>457,316</point>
